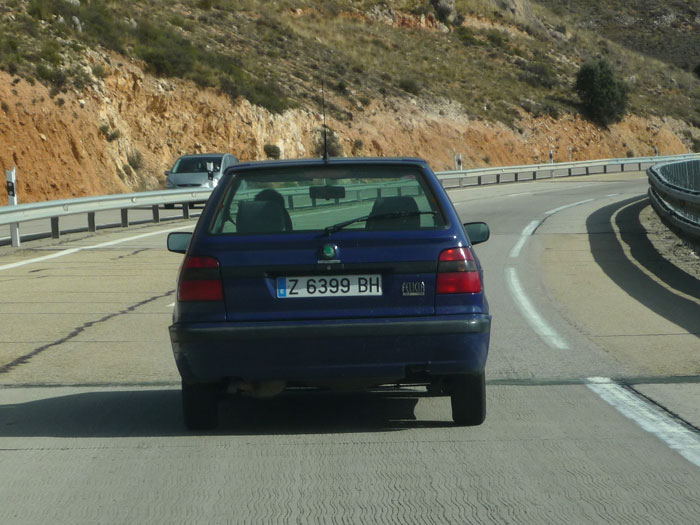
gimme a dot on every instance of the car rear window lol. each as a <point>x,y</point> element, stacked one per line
<point>312,198</point>
<point>196,164</point>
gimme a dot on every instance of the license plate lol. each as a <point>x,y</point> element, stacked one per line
<point>329,286</point>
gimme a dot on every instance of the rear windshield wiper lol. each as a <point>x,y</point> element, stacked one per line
<point>390,215</point>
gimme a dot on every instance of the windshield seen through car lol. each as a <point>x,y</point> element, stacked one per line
<point>196,164</point>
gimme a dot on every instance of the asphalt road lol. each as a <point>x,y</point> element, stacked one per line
<point>592,389</point>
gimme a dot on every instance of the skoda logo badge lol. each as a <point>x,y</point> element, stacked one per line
<point>329,251</point>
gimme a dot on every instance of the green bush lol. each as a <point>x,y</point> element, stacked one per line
<point>410,85</point>
<point>51,52</point>
<point>135,159</point>
<point>272,151</point>
<point>332,143</point>
<point>604,98</point>
<point>41,9</point>
<point>538,74</point>
<point>467,36</point>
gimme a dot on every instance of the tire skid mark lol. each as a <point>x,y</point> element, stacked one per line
<point>77,331</point>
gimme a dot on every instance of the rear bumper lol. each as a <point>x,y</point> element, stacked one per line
<point>387,350</point>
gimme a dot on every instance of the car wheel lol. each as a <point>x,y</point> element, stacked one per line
<point>468,396</point>
<point>200,403</point>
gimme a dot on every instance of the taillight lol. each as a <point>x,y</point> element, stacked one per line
<point>458,272</point>
<point>200,280</point>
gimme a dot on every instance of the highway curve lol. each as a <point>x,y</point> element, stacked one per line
<point>592,389</point>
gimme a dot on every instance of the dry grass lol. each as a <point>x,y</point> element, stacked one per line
<point>277,53</point>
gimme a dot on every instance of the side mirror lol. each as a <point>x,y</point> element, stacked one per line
<point>166,172</point>
<point>476,231</point>
<point>179,241</point>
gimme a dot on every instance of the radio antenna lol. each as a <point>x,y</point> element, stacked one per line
<point>325,133</point>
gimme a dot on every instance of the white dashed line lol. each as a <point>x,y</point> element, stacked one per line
<point>83,248</point>
<point>560,208</point>
<point>527,232</point>
<point>650,417</point>
<point>538,324</point>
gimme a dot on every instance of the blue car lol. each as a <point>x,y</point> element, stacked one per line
<point>340,273</point>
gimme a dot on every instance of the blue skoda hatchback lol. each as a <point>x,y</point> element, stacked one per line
<point>349,273</point>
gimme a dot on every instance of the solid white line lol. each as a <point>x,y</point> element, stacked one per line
<point>83,248</point>
<point>650,417</point>
<point>527,232</point>
<point>538,324</point>
<point>560,208</point>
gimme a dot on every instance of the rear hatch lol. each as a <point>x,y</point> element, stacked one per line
<point>312,241</point>
<point>375,275</point>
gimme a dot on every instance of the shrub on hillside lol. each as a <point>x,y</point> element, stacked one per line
<point>604,98</point>
<point>410,85</point>
<point>335,148</point>
<point>272,151</point>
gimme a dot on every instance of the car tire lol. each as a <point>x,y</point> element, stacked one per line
<point>200,405</point>
<point>468,397</point>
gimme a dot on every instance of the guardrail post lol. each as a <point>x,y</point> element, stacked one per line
<point>498,178</point>
<point>605,168</point>
<point>290,200</point>
<point>125,217</point>
<point>185,210</point>
<point>156,213</point>
<point>92,227</point>
<point>55,232</point>
<point>571,170</point>
<point>11,176</point>
<point>478,180</point>
<point>516,177</point>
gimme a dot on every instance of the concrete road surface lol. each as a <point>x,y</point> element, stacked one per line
<point>592,389</point>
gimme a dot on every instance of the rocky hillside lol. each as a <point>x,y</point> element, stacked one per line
<point>115,120</point>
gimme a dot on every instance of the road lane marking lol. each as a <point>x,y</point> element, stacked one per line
<point>534,319</point>
<point>527,232</point>
<point>561,208</point>
<point>93,247</point>
<point>648,416</point>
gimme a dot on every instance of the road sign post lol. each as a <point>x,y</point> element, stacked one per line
<point>11,176</point>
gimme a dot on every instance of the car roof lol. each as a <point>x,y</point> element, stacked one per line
<point>335,161</point>
<point>196,155</point>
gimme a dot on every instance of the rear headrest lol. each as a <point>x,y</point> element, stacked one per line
<point>392,205</point>
<point>260,217</point>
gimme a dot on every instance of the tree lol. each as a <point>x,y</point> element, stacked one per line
<point>603,96</point>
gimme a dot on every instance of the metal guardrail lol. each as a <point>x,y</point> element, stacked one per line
<point>674,191</point>
<point>480,176</point>
<point>54,210</point>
